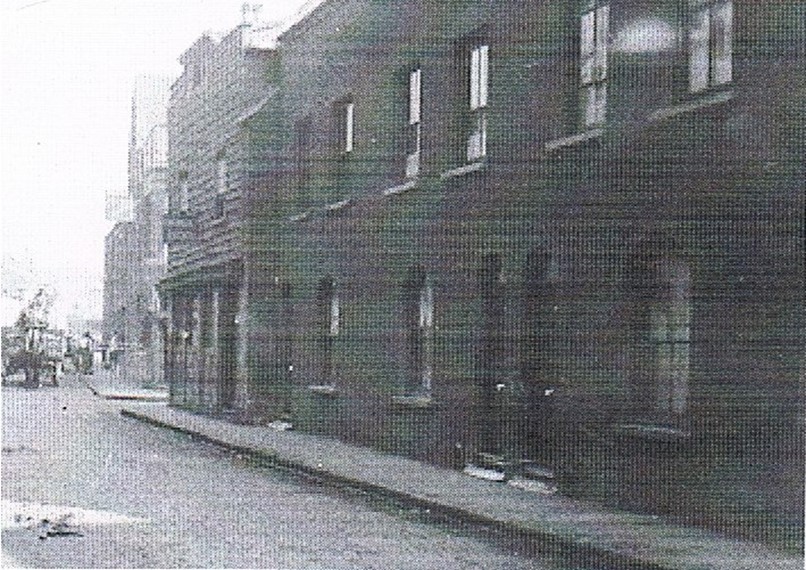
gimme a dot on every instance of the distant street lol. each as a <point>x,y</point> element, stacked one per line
<point>120,493</point>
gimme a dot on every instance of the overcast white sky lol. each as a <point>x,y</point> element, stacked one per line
<point>67,72</point>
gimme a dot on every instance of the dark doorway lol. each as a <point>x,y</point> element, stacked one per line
<point>490,355</point>
<point>285,336</point>
<point>227,346</point>
<point>543,349</point>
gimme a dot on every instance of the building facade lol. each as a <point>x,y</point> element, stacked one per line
<point>549,235</point>
<point>215,156</point>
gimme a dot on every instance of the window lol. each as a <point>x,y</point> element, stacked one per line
<point>593,63</point>
<point>420,316</point>
<point>184,192</point>
<point>331,326</point>
<point>478,87</point>
<point>222,185</point>
<point>223,174</point>
<point>335,313</point>
<point>426,323</point>
<point>710,40</point>
<point>345,118</point>
<point>303,130</point>
<point>414,132</point>
<point>670,323</point>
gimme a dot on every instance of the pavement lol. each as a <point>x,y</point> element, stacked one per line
<point>588,533</point>
<point>114,387</point>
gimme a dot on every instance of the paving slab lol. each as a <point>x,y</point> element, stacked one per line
<point>593,533</point>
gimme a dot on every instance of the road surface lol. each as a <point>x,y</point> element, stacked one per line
<point>83,486</point>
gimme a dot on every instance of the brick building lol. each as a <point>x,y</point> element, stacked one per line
<point>533,233</point>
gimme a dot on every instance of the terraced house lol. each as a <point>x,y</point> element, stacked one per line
<point>215,157</point>
<point>541,236</point>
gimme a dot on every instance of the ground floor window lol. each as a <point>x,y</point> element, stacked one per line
<point>329,311</point>
<point>660,335</point>
<point>419,304</point>
<point>670,323</point>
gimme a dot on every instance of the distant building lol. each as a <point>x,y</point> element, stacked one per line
<point>135,253</point>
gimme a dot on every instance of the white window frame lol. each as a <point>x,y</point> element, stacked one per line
<point>415,118</point>
<point>710,44</point>
<point>478,92</point>
<point>349,126</point>
<point>593,53</point>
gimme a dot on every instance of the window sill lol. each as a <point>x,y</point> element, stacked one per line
<point>702,102</point>
<point>573,140</point>
<point>463,170</point>
<point>299,217</point>
<point>405,187</point>
<point>651,432</point>
<point>412,402</point>
<point>336,206</point>
<point>324,390</point>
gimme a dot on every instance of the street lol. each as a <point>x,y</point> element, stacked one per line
<point>119,493</point>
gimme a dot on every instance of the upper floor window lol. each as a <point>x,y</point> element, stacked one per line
<point>710,40</point>
<point>345,119</point>
<point>594,26</point>
<point>303,131</point>
<point>414,131</point>
<point>335,314</point>
<point>222,185</point>
<point>184,192</point>
<point>223,176</point>
<point>478,88</point>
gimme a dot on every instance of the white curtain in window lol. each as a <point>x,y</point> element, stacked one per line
<point>699,58</point>
<point>348,127</point>
<point>722,43</point>
<point>602,27</point>
<point>587,47</point>
<point>335,313</point>
<point>479,66</point>
<point>415,96</point>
